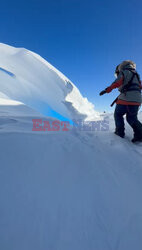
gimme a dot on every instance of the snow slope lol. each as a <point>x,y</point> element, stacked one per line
<point>67,190</point>
<point>28,78</point>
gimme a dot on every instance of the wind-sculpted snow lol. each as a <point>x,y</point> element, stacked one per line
<point>28,78</point>
<point>67,190</point>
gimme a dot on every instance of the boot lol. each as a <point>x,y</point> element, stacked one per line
<point>120,132</point>
<point>137,128</point>
<point>136,140</point>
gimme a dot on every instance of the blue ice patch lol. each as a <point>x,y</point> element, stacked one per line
<point>7,72</point>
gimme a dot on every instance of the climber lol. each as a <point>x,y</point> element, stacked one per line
<point>129,101</point>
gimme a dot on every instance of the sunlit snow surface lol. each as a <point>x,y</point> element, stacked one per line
<point>67,190</point>
<point>28,78</point>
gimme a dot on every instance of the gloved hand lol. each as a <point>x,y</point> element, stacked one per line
<point>103,92</point>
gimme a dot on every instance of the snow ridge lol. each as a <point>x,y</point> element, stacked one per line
<point>27,77</point>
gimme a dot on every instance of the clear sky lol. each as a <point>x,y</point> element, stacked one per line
<point>84,39</point>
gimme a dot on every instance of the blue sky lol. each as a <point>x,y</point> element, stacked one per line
<point>84,39</point>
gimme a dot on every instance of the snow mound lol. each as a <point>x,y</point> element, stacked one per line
<point>28,78</point>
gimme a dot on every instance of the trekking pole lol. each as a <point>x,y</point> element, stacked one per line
<point>114,102</point>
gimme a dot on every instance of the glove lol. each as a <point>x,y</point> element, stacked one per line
<point>103,92</point>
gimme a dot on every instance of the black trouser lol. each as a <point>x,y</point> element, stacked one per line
<point>131,112</point>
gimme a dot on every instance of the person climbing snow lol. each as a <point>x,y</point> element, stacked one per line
<point>128,102</point>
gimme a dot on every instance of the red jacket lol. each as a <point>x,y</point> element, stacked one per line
<point>117,85</point>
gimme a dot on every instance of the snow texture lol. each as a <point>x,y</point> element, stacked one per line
<point>28,78</point>
<point>65,190</point>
